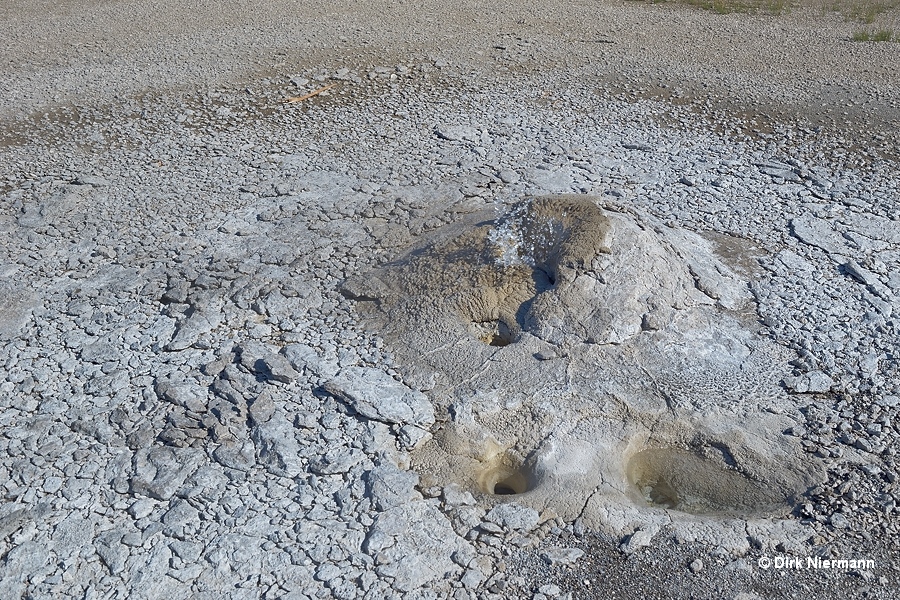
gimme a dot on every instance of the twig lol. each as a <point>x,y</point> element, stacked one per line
<point>311,94</point>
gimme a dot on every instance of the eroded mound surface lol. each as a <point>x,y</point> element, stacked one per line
<point>484,282</point>
<point>591,362</point>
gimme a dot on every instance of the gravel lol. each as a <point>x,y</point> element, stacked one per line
<point>189,407</point>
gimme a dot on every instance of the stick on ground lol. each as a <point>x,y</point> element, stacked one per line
<point>311,94</point>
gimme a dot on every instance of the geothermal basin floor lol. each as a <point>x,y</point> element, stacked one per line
<point>192,405</point>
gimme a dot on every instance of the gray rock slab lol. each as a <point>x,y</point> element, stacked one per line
<point>513,516</point>
<point>201,321</point>
<point>414,544</point>
<point>859,273</point>
<point>185,393</point>
<point>875,226</point>
<point>161,471</point>
<point>560,556</point>
<point>711,276</point>
<point>839,521</point>
<point>814,382</point>
<point>187,551</point>
<point>458,133</point>
<point>142,507</point>
<point>112,551</point>
<point>412,437</point>
<point>92,180</point>
<point>277,447</point>
<point>12,520</point>
<point>234,454</point>
<point>19,565</point>
<point>16,306</point>
<point>72,534</point>
<point>279,368</point>
<point>455,495</point>
<point>794,262</point>
<point>303,357</point>
<point>820,233</point>
<point>388,486</point>
<point>336,460</point>
<point>376,395</point>
<point>262,408</point>
<point>639,539</point>
<point>181,519</point>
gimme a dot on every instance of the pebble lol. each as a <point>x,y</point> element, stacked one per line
<point>639,539</point>
<point>839,521</point>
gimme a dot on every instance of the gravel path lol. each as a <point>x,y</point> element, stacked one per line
<point>189,408</point>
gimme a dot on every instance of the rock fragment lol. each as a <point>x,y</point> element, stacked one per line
<point>277,446</point>
<point>458,133</point>
<point>279,368</point>
<point>304,357</point>
<point>186,394</point>
<point>639,539</point>
<point>376,395</point>
<point>111,550</point>
<point>513,516</point>
<point>16,306</point>
<point>820,233</point>
<point>814,382</point>
<point>389,486</point>
<point>561,556</point>
<point>160,472</point>
<point>839,521</point>
<point>414,544</point>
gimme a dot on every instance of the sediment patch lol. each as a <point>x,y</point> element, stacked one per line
<point>703,482</point>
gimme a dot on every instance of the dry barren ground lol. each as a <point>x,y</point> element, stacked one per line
<point>190,407</point>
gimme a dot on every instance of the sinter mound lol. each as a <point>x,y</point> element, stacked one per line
<point>594,363</point>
